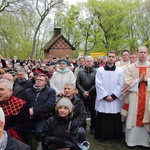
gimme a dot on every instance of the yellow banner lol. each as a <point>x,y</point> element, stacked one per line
<point>96,55</point>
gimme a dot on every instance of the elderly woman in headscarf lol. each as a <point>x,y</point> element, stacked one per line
<point>62,76</point>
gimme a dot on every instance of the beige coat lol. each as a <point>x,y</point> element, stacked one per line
<point>59,79</point>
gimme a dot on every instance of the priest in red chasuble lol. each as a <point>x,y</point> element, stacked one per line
<point>135,108</point>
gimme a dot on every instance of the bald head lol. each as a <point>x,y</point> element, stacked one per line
<point>8,76</point>
<point>142,48</point>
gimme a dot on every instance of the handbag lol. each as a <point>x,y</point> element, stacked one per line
<point>85,145</point>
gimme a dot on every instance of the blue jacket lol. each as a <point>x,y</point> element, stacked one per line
<point>43,103</point>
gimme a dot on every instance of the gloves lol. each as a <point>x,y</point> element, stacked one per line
<point>52,147</point>
<point>54,140</point>
<point>58,142</point>
<point>48,141</point>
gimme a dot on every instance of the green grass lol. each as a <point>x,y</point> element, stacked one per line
<point>108,145</point>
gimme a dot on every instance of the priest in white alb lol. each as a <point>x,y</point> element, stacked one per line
<point>135,108</point>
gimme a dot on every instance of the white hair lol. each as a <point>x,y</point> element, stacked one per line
<point>9,83</point>
<point>70,84</point>
<point>89,57</point>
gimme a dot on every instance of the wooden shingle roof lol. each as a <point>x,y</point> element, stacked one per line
<point>54,40</point>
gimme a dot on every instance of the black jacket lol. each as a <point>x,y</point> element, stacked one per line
<point>13,62</point>
<point>57,130</point>
<point>18,91</point>
<point>86,81</point>
<point>3,63</point>
<point>13,144</point>
<point>29,83</point>
<point>79,112</point>
<point>43,102</point>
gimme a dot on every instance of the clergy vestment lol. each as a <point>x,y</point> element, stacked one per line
<point>122,63</point>
<point>135,107</point>
<point>109,81</point>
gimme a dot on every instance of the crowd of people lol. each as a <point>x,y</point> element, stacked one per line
<point>52,97</point>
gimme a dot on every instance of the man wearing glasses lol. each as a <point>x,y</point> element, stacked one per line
<point>41,99</point>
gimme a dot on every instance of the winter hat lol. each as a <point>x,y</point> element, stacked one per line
<point>64,60</point>
<point>2,116</point>
<point>65,102</point>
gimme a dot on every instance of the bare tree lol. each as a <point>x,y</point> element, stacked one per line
<point>8,5</point>
<point>43,9</point>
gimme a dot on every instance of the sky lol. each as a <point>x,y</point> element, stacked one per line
<point>74,1</point>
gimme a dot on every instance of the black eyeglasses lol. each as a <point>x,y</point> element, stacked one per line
<point>39,80</point>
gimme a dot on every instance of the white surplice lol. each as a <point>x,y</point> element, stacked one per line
<point>107,83</point>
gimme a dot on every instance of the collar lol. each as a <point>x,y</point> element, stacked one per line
<point>88,69</point>
<point>138,63</point>
<point>3,140</point>
<point>12,106</point>
<point>73,98</point>
<point>107,68</point>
